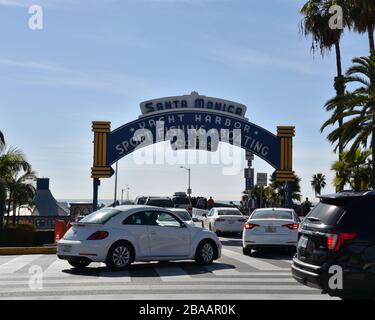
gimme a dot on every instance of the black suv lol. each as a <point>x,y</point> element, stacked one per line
<point>339,235</point>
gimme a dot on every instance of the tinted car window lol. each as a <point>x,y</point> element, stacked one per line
<point>359,215</point>
<point>181,200</point>
<point>162,219</point>
<point>229,213</point>
<point>272,214</point>
<point>136,219</point>
<point>101,216</point>
<point>163,203</point>
<point>141,200</point>
<point>326,212</point>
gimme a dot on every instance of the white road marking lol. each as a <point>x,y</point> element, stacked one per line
<point>17,263</point>
<point>253,262</point>
<point>171,273</point>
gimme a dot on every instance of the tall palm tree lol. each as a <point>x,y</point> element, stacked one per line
<point>318,183</point>
<point>362,18</point>
<point>355,170</point>
<point>359,130</point>
<point>316,23</point>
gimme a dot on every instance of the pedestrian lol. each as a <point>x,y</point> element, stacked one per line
<point>306,207</point>
<point>210,203</point>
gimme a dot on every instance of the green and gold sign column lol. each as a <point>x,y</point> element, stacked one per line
<point>100,169</point>
<point>285,172</point>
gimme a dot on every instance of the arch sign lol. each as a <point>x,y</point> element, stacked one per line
<point>190,122</point>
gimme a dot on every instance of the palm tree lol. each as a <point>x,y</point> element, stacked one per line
<point>362,18</point>
<point>318,183</point>
<point>20,190</point>
<point>276,191</point>
<point>2,141</point>
<point>359,130</point>
<point>11,162</point>
<point>355,170</point>
<point>316,23</point>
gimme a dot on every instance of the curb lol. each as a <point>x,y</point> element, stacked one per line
<point>27,250</point>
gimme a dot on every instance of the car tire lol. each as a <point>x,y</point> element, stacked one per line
<point>206,252</point>
<point>120,256</point>
<point>246,251</point>
<point>79,264</point>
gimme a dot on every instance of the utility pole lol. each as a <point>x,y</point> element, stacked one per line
<point>189,186</point>
<point>116,174</point>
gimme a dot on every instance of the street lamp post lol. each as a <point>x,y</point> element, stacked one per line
<point>189,186</point>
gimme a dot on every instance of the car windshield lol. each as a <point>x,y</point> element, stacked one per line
<point>163,203</point>
<point>101,216</point>
<point>141,201</point>
<point>183,215</point>
<point>272,214</point>
<point>327,213</point>
<point>181,200</point>
<point>229,213</point>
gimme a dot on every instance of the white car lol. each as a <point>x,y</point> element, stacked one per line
<point>118,236</point>
<point>184,215</point>
<point>270,227</point>
<point>224,220</point>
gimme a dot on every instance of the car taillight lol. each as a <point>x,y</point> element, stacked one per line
<point>292,226</point>
<point>220,220</point>
<point>98,235</point>
<point>336,240</point>
<point>250,226</point>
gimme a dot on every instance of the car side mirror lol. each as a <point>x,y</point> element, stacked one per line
<point>204,215</point>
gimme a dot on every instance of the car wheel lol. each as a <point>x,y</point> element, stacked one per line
<point>246,251</point>
<point>206,252</point>
<point>120,256</point>
<point>79,264</point>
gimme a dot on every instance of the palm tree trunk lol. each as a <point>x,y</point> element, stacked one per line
<point>340,91</point>
<point>373,151</point>
<point>14,213</point>
<point>370,30</point>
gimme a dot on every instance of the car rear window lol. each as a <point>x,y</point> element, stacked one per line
<point>181,200</point>
<point>101,216</point>
<point>327,212</point>
<point>163,203</point>
<point>272,214</point>
<point>229,213</point>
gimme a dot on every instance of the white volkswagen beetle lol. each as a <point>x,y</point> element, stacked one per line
<point>118,236</point>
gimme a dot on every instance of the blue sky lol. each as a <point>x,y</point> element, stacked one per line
<point>97,60</point>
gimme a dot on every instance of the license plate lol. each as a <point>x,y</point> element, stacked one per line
<point>270,229</point>
<point>66,249</point>
<point>302,243</point>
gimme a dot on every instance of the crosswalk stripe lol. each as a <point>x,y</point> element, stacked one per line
<point>182,296</point>
<point>253,262</point>
<point>163,287</point>
<point>117,281</point>
<point>17,263</point>
<point>56,268</point>
<point>171,273</point>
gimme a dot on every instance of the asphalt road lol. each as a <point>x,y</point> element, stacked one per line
<point>235,276</point>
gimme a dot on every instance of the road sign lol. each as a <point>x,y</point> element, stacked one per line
<point>249,183</point>
<point>189,191</point>
<point>262,179</point>
<point>249,173</point>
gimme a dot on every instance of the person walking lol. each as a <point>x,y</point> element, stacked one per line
<point>210,203</point>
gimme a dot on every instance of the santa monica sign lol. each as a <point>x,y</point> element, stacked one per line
<point>191,122</point>
<point>193,101</point>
